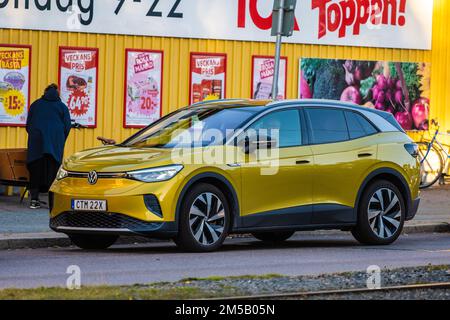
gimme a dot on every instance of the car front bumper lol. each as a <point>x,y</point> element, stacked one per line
<point>127,212</point>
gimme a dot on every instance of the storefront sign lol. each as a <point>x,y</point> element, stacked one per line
<point>373,23</point>
<point>14,84</point>
<point>262,80</point>
<point>78,70</point>
<point>143,87</point>
<point>401,88</point>
<point>208,77</point>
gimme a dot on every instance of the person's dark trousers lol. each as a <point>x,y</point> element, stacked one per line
<point>42,174</point>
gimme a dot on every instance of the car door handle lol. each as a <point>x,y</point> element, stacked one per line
<point>302,162</point>
<point>364,155</point>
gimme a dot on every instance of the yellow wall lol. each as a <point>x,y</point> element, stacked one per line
<point>176,70</point>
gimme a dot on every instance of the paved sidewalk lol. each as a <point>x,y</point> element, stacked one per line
<point>16,217</point>
<point>23,227</point>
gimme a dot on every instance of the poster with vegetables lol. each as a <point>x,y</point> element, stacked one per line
<point>401,88</point>
<point>263,72</point>
<point>78,70</point>
<point>143,87</point>
<point>208,77</point>
<point>14,84</point>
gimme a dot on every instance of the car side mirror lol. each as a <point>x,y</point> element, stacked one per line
<point>251,144</point>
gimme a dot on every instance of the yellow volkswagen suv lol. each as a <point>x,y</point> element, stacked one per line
<point>243,166</point>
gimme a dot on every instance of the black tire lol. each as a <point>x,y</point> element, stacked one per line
<point>92,242</point>
<point>369,234</point>
<point>186,238</point>
<point>424,167</point>
<point>276,236</point>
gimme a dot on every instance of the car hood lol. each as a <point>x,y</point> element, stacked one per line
<point>117,159</point>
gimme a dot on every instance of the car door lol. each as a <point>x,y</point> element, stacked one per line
<point>343,148</point>
<point>277,186</point>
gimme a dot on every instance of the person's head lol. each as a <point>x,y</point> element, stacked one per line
<point>51,87</point>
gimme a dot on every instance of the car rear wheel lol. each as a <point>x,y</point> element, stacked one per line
<point>381,214</point>
<point>92,242</point>
<point>204,219</point>
<point>279,236</point>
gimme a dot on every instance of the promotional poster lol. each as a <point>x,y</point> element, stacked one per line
<point>401,88</point>
<point>143,87</point>
<point>208,77</point>
<point>262,80</point>
<point>14,84</point>
<point>78,69</point>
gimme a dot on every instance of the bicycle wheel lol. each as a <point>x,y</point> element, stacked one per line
<point>431,167</point>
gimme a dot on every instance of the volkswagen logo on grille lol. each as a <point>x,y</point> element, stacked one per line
<point>92,177</point>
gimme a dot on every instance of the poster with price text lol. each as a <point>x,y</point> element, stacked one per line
<point>208,77</point>
<point>143,87</point>
<point>15,65</point>
<point>78,72</point>
<point>263,72</point>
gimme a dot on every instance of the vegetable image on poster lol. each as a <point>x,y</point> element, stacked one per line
<point>78,69</point>
<point>208,77</point>
<point>401,88</point>
<point>14,84</point>
<point>143,85</point>
<point>262,80</point>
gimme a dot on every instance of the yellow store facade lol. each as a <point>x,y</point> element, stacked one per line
<point>45,46</point>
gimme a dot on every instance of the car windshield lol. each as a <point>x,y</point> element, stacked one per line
<point>196,127</point>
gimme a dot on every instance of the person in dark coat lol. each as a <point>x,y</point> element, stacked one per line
<point>48,126</point>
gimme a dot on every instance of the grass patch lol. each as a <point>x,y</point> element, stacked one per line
<point>183,289</point>
<point>245,277</point>
<point>111,293</point>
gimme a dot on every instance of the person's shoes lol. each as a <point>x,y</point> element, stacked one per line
<point>35,204</point>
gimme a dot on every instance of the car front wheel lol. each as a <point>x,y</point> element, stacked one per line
<point>204,219</point>
<point>92,242</point>
<point>381,214</point>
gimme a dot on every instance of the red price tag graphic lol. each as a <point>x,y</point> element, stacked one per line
<point>78,103</point>
<point>146,103</point>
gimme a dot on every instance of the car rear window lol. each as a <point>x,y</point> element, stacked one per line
<point>327,125</point>
<point>358,126</point>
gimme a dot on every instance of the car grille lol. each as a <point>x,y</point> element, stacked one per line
<point>97,220</point>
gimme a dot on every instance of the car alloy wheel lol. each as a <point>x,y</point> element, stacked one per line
<point>384,213</point>
<point>207,218</point>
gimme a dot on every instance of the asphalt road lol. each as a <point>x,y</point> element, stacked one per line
<point>304,254</point>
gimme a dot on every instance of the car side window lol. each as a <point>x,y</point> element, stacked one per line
<point>327,125</point>
<point>287,122</point>
<point>358,126</point>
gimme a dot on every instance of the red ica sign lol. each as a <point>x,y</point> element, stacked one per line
<point>263,23</point>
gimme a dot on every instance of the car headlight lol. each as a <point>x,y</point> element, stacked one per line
<point>61,174</point>
<point>155,174</point>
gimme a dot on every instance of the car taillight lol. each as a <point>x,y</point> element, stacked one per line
<point>413,149</point>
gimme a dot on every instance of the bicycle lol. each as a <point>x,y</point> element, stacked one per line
<point>433,166</point>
